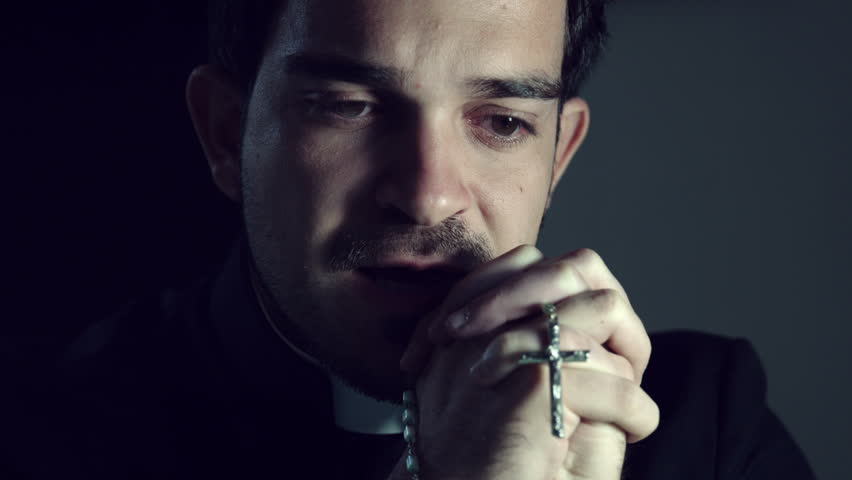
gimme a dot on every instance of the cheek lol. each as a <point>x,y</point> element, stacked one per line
<point>281,178</point>
<point>323,175</point>
<point>512,204</point>
<point>306,169</point>
<point>334,163</point>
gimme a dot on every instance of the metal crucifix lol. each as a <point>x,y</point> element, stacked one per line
<point>554,358</point>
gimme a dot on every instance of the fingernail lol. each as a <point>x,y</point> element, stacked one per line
<point>459,319</point>
<point>405,360</point>
<point>474,370</point>
<point>479,372</point>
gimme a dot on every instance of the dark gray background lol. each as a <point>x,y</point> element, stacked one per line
<point>715,182</point>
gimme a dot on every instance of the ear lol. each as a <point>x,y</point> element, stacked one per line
<point>573,126</point>
<point>215,105</point>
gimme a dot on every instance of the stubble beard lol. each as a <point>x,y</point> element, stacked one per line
<point>331,324</point>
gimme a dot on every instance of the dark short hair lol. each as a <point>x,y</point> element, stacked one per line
<point>240,29</point>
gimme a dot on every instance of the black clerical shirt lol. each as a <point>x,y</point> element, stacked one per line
<point>195,384</point>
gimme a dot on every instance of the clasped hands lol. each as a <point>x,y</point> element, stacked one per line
<point>485,417</point>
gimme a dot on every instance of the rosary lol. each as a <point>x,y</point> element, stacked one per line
<point>552,355</point>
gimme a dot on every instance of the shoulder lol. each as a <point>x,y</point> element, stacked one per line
<point>714,419</point>
<point>150,321</point>
<point>676,351</point>
<point>692,370</point>
<point>101,395</point>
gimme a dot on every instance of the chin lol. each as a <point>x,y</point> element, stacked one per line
<point>380,379</point>
<point>353,338</point>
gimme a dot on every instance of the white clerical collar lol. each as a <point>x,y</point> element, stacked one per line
<point>353,411</point>
<point>356,412</point>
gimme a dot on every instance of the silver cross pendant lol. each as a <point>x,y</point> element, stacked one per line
<point>554,358</point>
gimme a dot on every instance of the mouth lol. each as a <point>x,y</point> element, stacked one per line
<point>405,279</point>
<point>406,289</point>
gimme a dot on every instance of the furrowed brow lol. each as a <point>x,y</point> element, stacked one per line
<point>339,68</point>
<point>532,86</point>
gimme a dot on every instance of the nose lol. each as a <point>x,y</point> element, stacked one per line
<point>425,176</point>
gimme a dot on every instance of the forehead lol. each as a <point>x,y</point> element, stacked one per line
<point>429,38</point>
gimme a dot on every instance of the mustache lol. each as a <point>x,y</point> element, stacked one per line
<point>451,240</point>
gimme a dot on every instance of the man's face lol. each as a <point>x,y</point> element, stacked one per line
<point>388,149</point>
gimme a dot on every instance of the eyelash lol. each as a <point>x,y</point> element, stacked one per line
<point>324,106</point>
<point>505,142</point>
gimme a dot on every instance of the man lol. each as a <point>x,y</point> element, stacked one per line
<point>393,161</point>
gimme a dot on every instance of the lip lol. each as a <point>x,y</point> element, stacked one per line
<point>417,297</point>
<point>417,265</point>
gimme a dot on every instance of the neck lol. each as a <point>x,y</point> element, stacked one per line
<point>267,306</point>
<point>353,411</point>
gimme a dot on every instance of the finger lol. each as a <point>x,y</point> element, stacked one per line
<point>483,279</point>
<point>492,273</point>
<point>547,282</point>
<point>607,317</point>
<point>551,281</point>
<point>499,271</point>
<point>592,396</point>
<point>520,296</point>
<point>602,397</point>
<point>593,269</point>
<point>501,356</point>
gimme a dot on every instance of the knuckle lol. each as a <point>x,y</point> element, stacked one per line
<point>566,277</point>
<point>586,256</point>
<point>647,346</point>
<point>502,345</point>
<point>655,416</point>
<point>607,301</point>
<point>489,308</point>
<point>622,368</point>
<point>572,339</point>
<point>629,398</point>
<point>510,343</point>
<point>526,251</point>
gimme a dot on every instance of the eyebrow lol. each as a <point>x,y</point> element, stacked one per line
<point>335,67</point>
<point>532,86</point>
<point>339,68</point>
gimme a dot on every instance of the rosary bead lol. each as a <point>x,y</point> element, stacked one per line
<point>409,417</point>
<point>408,398</point>
<point>409,433</point>
<point>411,464</point>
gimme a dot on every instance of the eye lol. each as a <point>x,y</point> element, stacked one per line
<point>504,125</point>
<point>502,130</point>
<point>349,109</point>
<point>340,109</point>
